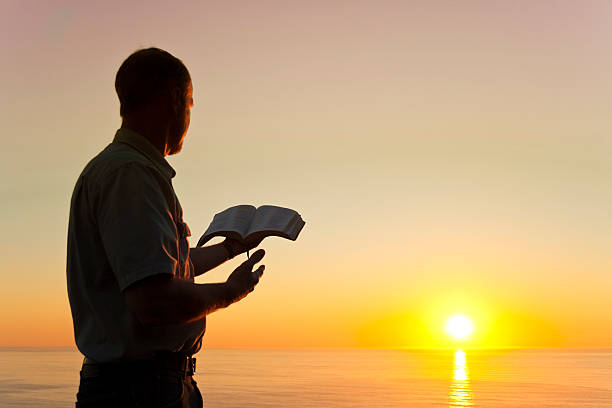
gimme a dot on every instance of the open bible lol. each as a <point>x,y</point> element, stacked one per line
<point>246,223</point>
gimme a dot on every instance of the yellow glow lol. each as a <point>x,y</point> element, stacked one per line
<point>460,393</point>
<point>459,327</point>
<point>488,253</point>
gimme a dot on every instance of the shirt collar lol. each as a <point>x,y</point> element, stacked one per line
<point>145,147</point>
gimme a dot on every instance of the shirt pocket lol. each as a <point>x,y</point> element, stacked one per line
<point>184,263</point>
<point>183,230</point>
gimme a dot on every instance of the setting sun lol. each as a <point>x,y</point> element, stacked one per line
<point>459,327</point>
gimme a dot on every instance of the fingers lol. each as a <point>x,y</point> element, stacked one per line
<point>244,279</point>
<point>256,257</point>
<point>258,273</point>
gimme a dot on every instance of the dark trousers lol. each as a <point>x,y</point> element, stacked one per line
<point>144,387</point>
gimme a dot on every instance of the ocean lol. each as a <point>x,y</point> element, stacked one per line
<point>346,378</point>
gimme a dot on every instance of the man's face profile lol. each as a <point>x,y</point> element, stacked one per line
<point>180,125</point>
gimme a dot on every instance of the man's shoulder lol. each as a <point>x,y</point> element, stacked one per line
<point>116,156</point>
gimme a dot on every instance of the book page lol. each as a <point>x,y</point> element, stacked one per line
<point>272,218</point>
<point>294,228</point>
<point>235,219</point>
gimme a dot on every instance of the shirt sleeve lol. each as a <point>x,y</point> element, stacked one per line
<point>136,225</point>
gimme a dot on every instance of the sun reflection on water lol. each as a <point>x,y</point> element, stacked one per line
<point>460,393</point>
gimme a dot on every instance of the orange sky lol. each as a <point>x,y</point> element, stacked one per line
<point>446,157</point>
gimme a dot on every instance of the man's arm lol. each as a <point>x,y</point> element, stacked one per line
<point>163,300</point>
<point>206,258</point>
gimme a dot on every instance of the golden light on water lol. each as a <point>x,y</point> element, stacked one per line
<point>460,393</point>
<point>460,371</point>
<point>459,327</point>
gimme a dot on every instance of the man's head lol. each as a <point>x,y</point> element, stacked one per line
<point>152,82</point>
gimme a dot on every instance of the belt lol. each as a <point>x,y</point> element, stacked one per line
<point>182,363</point>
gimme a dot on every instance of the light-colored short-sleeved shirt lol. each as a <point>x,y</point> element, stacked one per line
<point>126,224</point>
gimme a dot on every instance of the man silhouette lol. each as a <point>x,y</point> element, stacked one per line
<point>138,315</point>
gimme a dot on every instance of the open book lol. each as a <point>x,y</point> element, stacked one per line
<point>246,223</point>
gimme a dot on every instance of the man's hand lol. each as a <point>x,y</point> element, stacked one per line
<point>206,258</point>
<point>238,247</point>
<point>242,281</point>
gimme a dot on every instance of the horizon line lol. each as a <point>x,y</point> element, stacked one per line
<point>592,348</point>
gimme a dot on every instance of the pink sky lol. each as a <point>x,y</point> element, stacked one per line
<point>445,156</point>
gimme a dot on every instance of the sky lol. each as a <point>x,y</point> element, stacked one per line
<point>447,157</point>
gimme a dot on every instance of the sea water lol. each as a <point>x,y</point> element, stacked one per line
<point>346,378</point>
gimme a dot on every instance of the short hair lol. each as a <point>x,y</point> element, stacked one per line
<point>145,73</point>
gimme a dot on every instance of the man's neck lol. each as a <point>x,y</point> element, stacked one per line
<point>154,132</point>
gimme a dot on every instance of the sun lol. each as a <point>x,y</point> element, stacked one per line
<point>459,327</point>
